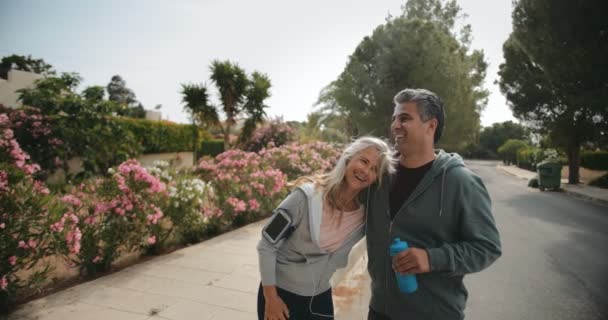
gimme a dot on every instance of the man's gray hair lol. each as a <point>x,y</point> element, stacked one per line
<point>429,106</point>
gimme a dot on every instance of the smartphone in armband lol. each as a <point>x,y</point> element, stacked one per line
<point>279,227</point>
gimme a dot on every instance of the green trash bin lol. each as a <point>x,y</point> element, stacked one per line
<point>549,175</point>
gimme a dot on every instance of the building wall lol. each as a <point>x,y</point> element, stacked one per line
<point>17,79</point>
<point>178,160</point>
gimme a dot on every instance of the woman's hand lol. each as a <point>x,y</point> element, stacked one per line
<point>275,308</point>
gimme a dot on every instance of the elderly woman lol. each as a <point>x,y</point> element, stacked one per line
<point>311,233</point>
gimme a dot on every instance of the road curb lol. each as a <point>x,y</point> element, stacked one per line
<point>572,193</point>
<point>501,168</point>
<point>585,197</point>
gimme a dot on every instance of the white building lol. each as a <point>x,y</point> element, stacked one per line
<point>153,115</point>
<point>16,80</point>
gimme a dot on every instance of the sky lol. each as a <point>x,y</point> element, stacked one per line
<point>157,45</point>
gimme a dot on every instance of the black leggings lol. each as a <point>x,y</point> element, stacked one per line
<point>299,305</point>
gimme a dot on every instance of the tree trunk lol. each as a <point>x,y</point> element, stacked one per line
<point>227,136</point>
<point>574,160</point>
<point>195,143</point>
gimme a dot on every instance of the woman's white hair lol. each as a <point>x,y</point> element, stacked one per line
<point>386,159</point>
<point>333,182</point>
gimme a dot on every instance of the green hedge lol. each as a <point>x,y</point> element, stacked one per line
<point>211,147</point>
<point>160,136</point>
<point>594,160</point>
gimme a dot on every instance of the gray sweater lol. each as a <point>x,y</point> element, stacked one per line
<point>297,264</point>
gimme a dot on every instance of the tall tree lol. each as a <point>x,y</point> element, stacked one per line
<point>196,102</point>
<point>121,94</point>
<point>24,63</point>
<point>555,74</point>
<point>419,48</point>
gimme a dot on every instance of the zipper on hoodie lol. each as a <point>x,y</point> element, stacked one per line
<point>389,268</point>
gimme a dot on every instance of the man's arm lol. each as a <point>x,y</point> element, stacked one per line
<point>480,242</point>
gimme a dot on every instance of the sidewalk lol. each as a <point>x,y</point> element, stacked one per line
<point>580,190</point>
<point>216,279</point>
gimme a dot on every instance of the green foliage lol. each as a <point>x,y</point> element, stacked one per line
<point>324,126</point>
<point>508,151</point>
<point>594,160</point>
<point>476,151</point>
<point>554,75</point>
<point>24,63</point>
<point>416,49</point>
<point>496,135</point>
<point>83,122</point>
<point>211,147</point>
<point>159,136</point>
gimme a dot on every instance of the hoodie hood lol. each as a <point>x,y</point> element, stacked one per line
<point>315,203</point>
<point>443,163</point>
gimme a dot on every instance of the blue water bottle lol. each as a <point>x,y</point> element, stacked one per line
<point>407,283</point>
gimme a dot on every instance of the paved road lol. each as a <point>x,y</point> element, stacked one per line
<point>554,263</point>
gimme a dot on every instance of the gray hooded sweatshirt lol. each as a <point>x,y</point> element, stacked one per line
<point>448,214</point>
<point>297,264</point>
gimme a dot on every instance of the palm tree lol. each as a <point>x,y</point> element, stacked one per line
<point>196,102</point>
<point>232,84</point>
<point>257,91</point>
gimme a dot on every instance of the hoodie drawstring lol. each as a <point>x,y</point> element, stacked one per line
<point>441,191</point>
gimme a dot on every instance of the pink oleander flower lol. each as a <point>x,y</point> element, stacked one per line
<point>22,244</point>
<point>237,205</point>
<point>2,225</point>
<point>12,260</point>
<point>211,212</point>
<point>32,243</point>
<point>154,218</point>
<point>71,199</point>
<point>151,240</point>
<point>254,205</point>
<point>3,283</point>
<point>73,240</point>
<point>57,226</point>
<point>96,259</point>
<point>40,188</point>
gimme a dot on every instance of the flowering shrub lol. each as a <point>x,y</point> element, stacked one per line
<point>24,212</point>
<point>274,133</point>
<point>243,187</point>
<point>185,208</point>
<point>296,160</point>
<point>106,218</point>
<point>32,131</point>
